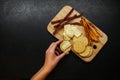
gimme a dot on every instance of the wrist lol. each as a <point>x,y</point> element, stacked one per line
<point>41,74</point>
<point>46,68</point>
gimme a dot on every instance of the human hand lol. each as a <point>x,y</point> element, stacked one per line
<point>51,59</point>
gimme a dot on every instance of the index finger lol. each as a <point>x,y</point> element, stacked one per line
<point>56,43</point>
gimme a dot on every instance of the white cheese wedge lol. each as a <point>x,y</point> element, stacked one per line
<point>65,36</point>
<point>68,31</point>
<point>71,30</point>
<point>76,31</point>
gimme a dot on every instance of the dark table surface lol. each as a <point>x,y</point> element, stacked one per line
<point>24,39</point>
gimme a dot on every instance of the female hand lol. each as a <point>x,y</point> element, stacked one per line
<point>51,59</point>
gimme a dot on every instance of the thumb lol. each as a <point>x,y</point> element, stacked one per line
<point>62,55</point>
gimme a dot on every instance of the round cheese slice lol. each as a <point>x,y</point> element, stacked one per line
<point>87,53</point>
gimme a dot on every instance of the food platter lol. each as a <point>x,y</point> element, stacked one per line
<point>69,16</point>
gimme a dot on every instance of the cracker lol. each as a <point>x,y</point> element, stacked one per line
<point>78,47</point>
<point>87,53</point>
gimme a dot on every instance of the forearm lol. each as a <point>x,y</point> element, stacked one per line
<point>41,74</point>
<point>51,60</point>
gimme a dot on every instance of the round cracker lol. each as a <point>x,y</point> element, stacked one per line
<point>78,47</point>
<point>87,53</point>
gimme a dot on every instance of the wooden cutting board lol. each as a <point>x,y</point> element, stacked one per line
<point>59,35</point>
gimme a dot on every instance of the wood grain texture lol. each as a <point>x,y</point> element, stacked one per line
<point>59,34</point>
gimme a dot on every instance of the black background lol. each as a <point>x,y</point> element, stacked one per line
<point>24,39</point>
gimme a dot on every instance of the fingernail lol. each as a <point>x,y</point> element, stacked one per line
<point>67,53</point>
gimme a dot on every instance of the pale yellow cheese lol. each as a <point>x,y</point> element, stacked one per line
<point>76,31</point>
<point>65,46</point>
<point>68,31</point>
<point>66,37</point>
<point>71,30</point>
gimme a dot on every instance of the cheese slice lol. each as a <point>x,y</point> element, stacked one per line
<point>68,31</point>
<point>65,46</point>
<point>65,36</point>
<point>79,47</point>
<point>76,31</point>
<point>71,30</point>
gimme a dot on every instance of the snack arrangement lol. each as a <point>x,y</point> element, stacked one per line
<point>79,34</point>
